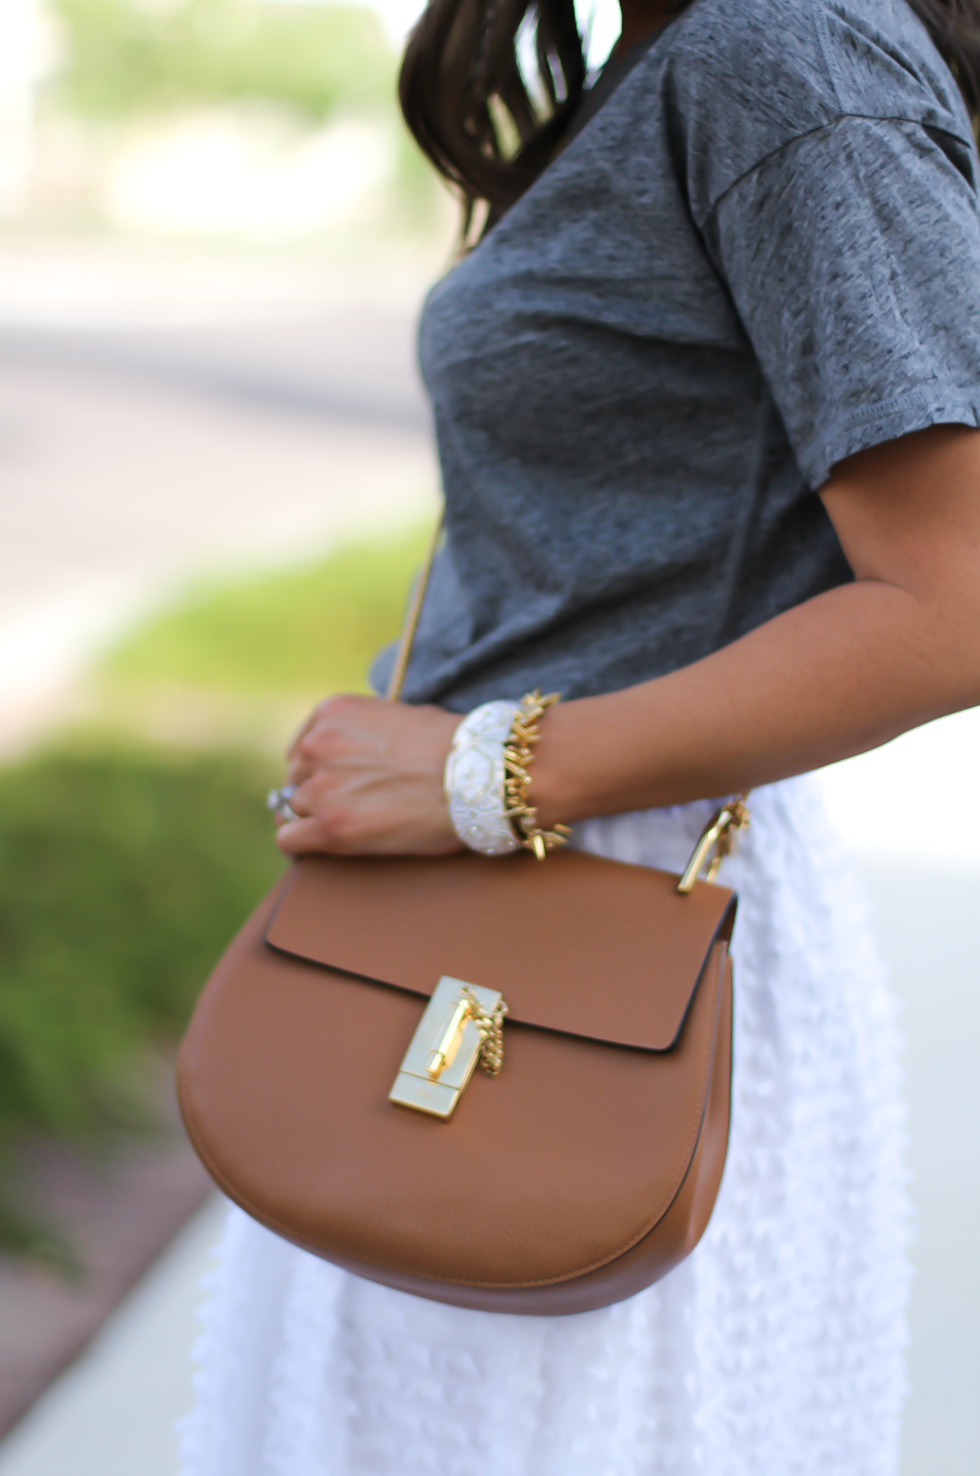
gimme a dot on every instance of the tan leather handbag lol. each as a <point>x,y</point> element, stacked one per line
<point>582,1172</point>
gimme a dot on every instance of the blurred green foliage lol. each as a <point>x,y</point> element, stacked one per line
<point>125,871</point>
<point>308,631</point>
<point>130,56</point>
<point>122,877</point>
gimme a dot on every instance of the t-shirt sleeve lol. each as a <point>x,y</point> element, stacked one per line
<point>853,258</point>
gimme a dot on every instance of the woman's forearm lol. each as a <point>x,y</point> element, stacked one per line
<point>831,678</point>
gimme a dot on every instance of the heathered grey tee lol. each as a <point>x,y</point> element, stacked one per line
<point>759,255</point>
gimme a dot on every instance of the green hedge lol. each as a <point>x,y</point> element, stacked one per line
<point>122,877</point>
<point>125,870</point>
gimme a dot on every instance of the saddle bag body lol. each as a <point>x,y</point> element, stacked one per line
<point>579,1175</point>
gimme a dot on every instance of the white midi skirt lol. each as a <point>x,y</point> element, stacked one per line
<point>776,1348</point>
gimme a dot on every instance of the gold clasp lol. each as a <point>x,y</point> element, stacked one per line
<point>448,1043</point>
<point>720,835</point>
<point>462,1024</point>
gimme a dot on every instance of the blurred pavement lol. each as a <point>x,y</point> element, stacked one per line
<point>160,419</point>
<point>113,1413</point>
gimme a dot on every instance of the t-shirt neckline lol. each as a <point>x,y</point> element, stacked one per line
<point>608,80</point>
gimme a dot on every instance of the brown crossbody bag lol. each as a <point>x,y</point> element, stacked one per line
<point>573,1173</point>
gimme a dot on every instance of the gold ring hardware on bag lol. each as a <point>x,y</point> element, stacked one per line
<point>462,1024</point>
<point>721,835</point>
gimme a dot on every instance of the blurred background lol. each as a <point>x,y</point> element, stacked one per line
<point>216,476</point>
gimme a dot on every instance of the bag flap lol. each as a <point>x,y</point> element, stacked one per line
<point>576,944</point>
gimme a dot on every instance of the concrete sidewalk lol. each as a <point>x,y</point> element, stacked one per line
<point>113,1413</point>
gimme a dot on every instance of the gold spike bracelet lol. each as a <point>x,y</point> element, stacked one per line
<point>518,755</point>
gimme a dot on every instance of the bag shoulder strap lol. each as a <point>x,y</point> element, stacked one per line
<point>407,638</point>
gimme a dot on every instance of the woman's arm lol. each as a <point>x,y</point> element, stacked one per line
<point>833,677</point>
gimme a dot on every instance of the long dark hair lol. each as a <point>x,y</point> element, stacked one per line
<point>488,86</point>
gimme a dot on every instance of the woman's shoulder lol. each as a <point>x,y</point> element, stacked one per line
<point>839,56</point>
<point>741,79</point>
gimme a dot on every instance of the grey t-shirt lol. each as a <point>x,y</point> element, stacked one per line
<point>761,254</point>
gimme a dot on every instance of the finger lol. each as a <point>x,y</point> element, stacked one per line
<point>298,770</point>
<point>303,800</point>
<point>301,837</point>
<point>301,732</point>
<point>307,755</point>
<point>291,804</point>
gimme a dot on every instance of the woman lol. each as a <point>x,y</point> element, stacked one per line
<point>706,393</point>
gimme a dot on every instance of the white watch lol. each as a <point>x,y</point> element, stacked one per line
<point>474,780</point>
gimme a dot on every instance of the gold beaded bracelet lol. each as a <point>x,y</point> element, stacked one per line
<point>518,754</point>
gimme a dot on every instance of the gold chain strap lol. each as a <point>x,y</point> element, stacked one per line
<point>491,1027</point>
<point>407,639</point>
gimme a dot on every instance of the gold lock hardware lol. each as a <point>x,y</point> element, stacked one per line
<point>462,1024</point>
<point>444,1052</point>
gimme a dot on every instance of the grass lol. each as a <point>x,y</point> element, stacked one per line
<point>301,632</point>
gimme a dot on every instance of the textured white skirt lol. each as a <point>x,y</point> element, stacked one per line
<point>776,1348</point>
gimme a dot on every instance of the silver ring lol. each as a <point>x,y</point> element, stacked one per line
<point>277,800</point>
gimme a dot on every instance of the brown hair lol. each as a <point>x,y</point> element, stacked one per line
<point>488,86</point>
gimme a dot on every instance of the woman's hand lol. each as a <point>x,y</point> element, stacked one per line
<point>368,776</point>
